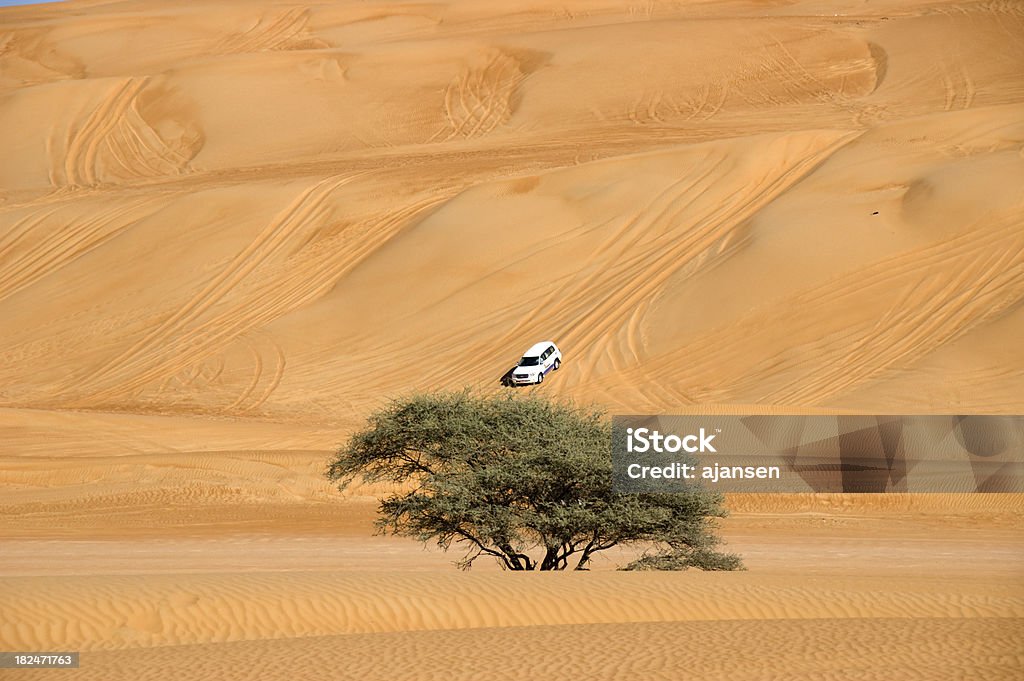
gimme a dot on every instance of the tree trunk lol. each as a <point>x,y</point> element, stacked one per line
<point>550,561</point>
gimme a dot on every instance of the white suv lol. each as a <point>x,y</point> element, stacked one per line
<point>537,361</point>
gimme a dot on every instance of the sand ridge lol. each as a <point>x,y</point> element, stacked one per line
<point>230,230</point>
<point>607,220</point>
<point>97,613</point>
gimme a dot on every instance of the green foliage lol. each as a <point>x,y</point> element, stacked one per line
<point>525,480</point>
<point>681,558</point>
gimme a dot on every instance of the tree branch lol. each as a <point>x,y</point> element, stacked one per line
<point>483,549</point>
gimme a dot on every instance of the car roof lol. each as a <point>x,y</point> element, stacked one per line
<point>538,348</point>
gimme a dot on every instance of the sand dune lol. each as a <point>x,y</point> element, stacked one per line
<point>122,612</point>
<point>229,230</point>
<point>707,650</point>
<point>667,226</point>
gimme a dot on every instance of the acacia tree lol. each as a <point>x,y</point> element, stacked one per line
<point>525,480</point>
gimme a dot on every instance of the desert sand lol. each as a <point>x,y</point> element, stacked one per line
<point>230,230</point>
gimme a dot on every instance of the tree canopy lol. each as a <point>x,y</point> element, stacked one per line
<point>525,480</point>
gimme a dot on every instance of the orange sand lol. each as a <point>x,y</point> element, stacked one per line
<point>229,230</point>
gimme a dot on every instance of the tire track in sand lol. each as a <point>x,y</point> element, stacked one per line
<point>301,280</point>
<point>48,253</point>
<point>958,86</point>
<point>84,143</point>
<point>479,100</point>
<point>288,30</point>
<point>989,280</point>
<point>304,279</point>
<point>944,291</point>
<point>595,313</point>
<point>115,142</point>
<point>296,281</point>
<point>592,313</point>
<point>288,226</point>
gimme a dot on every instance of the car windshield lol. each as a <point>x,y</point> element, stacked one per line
<point>529,361</point>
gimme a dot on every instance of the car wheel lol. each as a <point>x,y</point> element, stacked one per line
<point>540,378</point>
<point>558,363</point>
